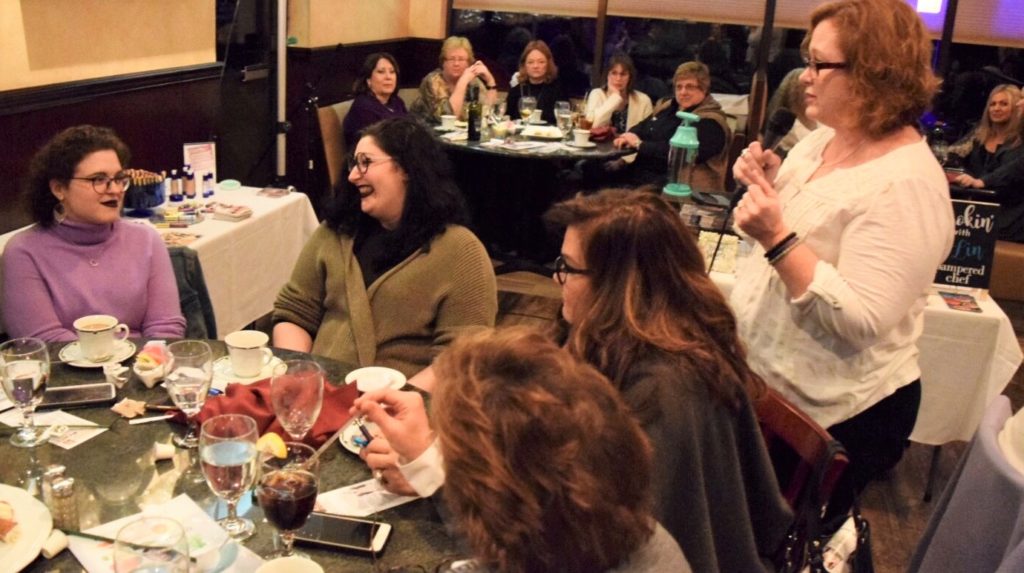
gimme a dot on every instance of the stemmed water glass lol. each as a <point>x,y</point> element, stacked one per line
<point>151,543</point>
<point>227,448</point>
<point>188,382</point>
<point>297,394</point>
<point>526,106</point>
<point>287,492</point>
<point>24,370</point>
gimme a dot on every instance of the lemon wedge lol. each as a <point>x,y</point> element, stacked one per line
<point>271,443</point>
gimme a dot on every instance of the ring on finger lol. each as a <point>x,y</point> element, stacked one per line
<point>378,474</point>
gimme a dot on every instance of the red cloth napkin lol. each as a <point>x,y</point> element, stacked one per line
<point>603,133</point>
<point>254,400</point>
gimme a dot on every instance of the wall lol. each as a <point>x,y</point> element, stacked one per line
<point>55,41</point>
<point>319,23</point>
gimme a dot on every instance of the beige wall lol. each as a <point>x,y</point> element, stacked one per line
<point>318,23</point>
<point>45,42</point>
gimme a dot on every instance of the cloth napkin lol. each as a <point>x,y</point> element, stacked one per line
<point>254,400</point>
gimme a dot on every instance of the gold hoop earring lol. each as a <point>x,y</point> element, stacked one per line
<point>59,213</point>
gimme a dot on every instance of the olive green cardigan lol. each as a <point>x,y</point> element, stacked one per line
<point>406,316</point>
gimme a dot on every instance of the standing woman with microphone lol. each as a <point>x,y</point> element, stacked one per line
<point>847,235</point>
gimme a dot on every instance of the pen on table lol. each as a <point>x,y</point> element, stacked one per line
<point>137,421</point>
<point>161,407</point>
<point>362,428</point>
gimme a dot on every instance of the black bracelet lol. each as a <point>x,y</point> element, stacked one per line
<point>782,254</point>
<point>779,247</point>
<point>491,87</point>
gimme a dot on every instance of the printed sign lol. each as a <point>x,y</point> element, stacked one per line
<point>970,260</point>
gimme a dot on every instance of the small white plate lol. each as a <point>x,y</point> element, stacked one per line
<point>222,371</point>
<point>34,523</point>
<point>444,129</point>
<point>350,432</point>
<point>586,145</point>
<point>397,378</point>
<point>71,354</point>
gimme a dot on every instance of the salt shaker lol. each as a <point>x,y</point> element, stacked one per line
<point>51,474</point>
<point>65,505</point>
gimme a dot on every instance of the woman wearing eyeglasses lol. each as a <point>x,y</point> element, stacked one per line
<point>444,90</point>
<point>80,258</point>
<point>847,235</point>
<point>392,276</point>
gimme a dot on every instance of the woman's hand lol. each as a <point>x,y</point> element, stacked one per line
<point>965,180</point>
<point>627,139</point>
<point>759,213</point>
<point>479,70</point>
<point>383,462</point>
<point>402,418</point>
<point>755,161</point>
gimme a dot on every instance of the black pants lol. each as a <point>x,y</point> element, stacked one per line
<point>874,440</point>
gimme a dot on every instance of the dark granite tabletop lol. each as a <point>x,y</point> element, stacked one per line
<point>602,150</point>
<point>115,475</point>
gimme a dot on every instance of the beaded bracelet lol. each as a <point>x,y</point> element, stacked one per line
<point>779,247</point>
<point>789,247</point>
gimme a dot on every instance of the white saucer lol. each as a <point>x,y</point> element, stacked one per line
<point>223,373</point>
<point>397,378</point>
<point>586,145</point>
<point>350,431</point>
<point>71,354</point>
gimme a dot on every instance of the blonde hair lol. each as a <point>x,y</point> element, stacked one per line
<point>985,127</point>
<point>452,43</point>
<point>695,70</point>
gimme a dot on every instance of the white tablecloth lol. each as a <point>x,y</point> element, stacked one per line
<point>967,359</point>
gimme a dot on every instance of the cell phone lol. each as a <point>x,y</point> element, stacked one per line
<point>78,395</point>
<point>345,532</point>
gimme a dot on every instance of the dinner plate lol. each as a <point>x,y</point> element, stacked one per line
<point>72,354</point>
<point>350,431</point>
<point>222,371</point>
<point>586,145</point>
<point>397,378</point>
<point>444,129</point>
<point>34,525</point>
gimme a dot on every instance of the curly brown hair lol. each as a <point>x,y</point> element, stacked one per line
<point>542,47</point>
<point>57,160</point>
<point>889,55</point>
<point>649,293</point>
<point>534,445</point>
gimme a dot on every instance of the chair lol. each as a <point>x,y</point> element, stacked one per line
<point>409,96</point>
<point>1007,268</point>
<point>196,306</point>
<point>978,522</point>
<point>808,463</point>
<point>331,118</point>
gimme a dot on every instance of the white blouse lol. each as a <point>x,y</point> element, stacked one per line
<point>880,230</point>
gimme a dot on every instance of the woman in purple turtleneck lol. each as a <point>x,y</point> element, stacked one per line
<point>80,258</point>
<point>376,91</point>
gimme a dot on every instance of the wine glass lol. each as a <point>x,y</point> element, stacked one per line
<point>151,544</point>
<point>227,448</point>
<point>297,394</point>
<point>500,108</point>
<point>287,492</point>
<point>526,106</point>
<point>188,382</point>
<point>25,368</point>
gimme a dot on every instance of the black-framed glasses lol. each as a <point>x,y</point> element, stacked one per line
<point>102,183</point>
<point>361,162</point>
<point>564,269</point>
<point>816,66</point>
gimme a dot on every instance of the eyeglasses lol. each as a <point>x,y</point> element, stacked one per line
<point>361,162</point>
<point>816,66</point>
<point>564,269</point>
<point>457,60</point>
<point>102,183</point>
<point>689,87</point>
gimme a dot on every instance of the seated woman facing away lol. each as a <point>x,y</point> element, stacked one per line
<point>444,90</point>
<point>650,137</point>
<point>643,312</point>
<point>538,78</point>
<point>391,276</point>
<point>376,91</point>
<point>546,469</point>
<point>80,258</point>
<point>993,158</point>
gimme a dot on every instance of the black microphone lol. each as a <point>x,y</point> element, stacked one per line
<point>778,126</point>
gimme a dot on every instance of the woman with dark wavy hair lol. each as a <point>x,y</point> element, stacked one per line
<point>643,311</point>
<point>391,276</point>
<point>376,90</point>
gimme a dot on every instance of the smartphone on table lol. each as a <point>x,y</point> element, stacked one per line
<point>78,395</point>
<point>345,532</point>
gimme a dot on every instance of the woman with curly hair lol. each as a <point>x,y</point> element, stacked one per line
<point>80,258</point>
<point>846,235</point>
<point>391,276</point>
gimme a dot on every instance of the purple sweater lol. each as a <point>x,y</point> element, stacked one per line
<point>367,110</point>
<point>54,276</point>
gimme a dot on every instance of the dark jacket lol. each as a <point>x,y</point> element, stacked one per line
<point>367,110</point>
<point>547,94</point>
<point>196,306</point>
<point>651,165</point>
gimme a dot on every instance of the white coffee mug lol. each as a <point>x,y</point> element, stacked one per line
<point>535,118</point>
<point>98,335</point>
<point>248,351</point>
<point>448,121</point>
<point>580,136</point>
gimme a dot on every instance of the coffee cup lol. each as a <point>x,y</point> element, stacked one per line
<point>580,136</point>
<point>98,335</point>
<point>293,564</point>
<point>448,121</point>
<point>373,379</point>
<point>248,351</point>
<point>535,118</point>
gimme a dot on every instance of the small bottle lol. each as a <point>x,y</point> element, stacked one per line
<point>51,474</point>
<point>190,185</point>
<point>175,195</point>
<point>208,185</point>
<point>162,191</point>
<point>65,505</point>
<point>473,114</point>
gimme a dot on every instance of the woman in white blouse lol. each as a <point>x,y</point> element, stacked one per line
<point>847,234</point>
<point>617,104</point>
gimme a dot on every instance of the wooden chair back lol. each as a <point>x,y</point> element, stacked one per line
<point>331,119</point>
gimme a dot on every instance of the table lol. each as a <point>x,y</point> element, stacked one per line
<point>115,475</point>
<point>966,360</point>
<point>508,192</point>
<point>246,263</point>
